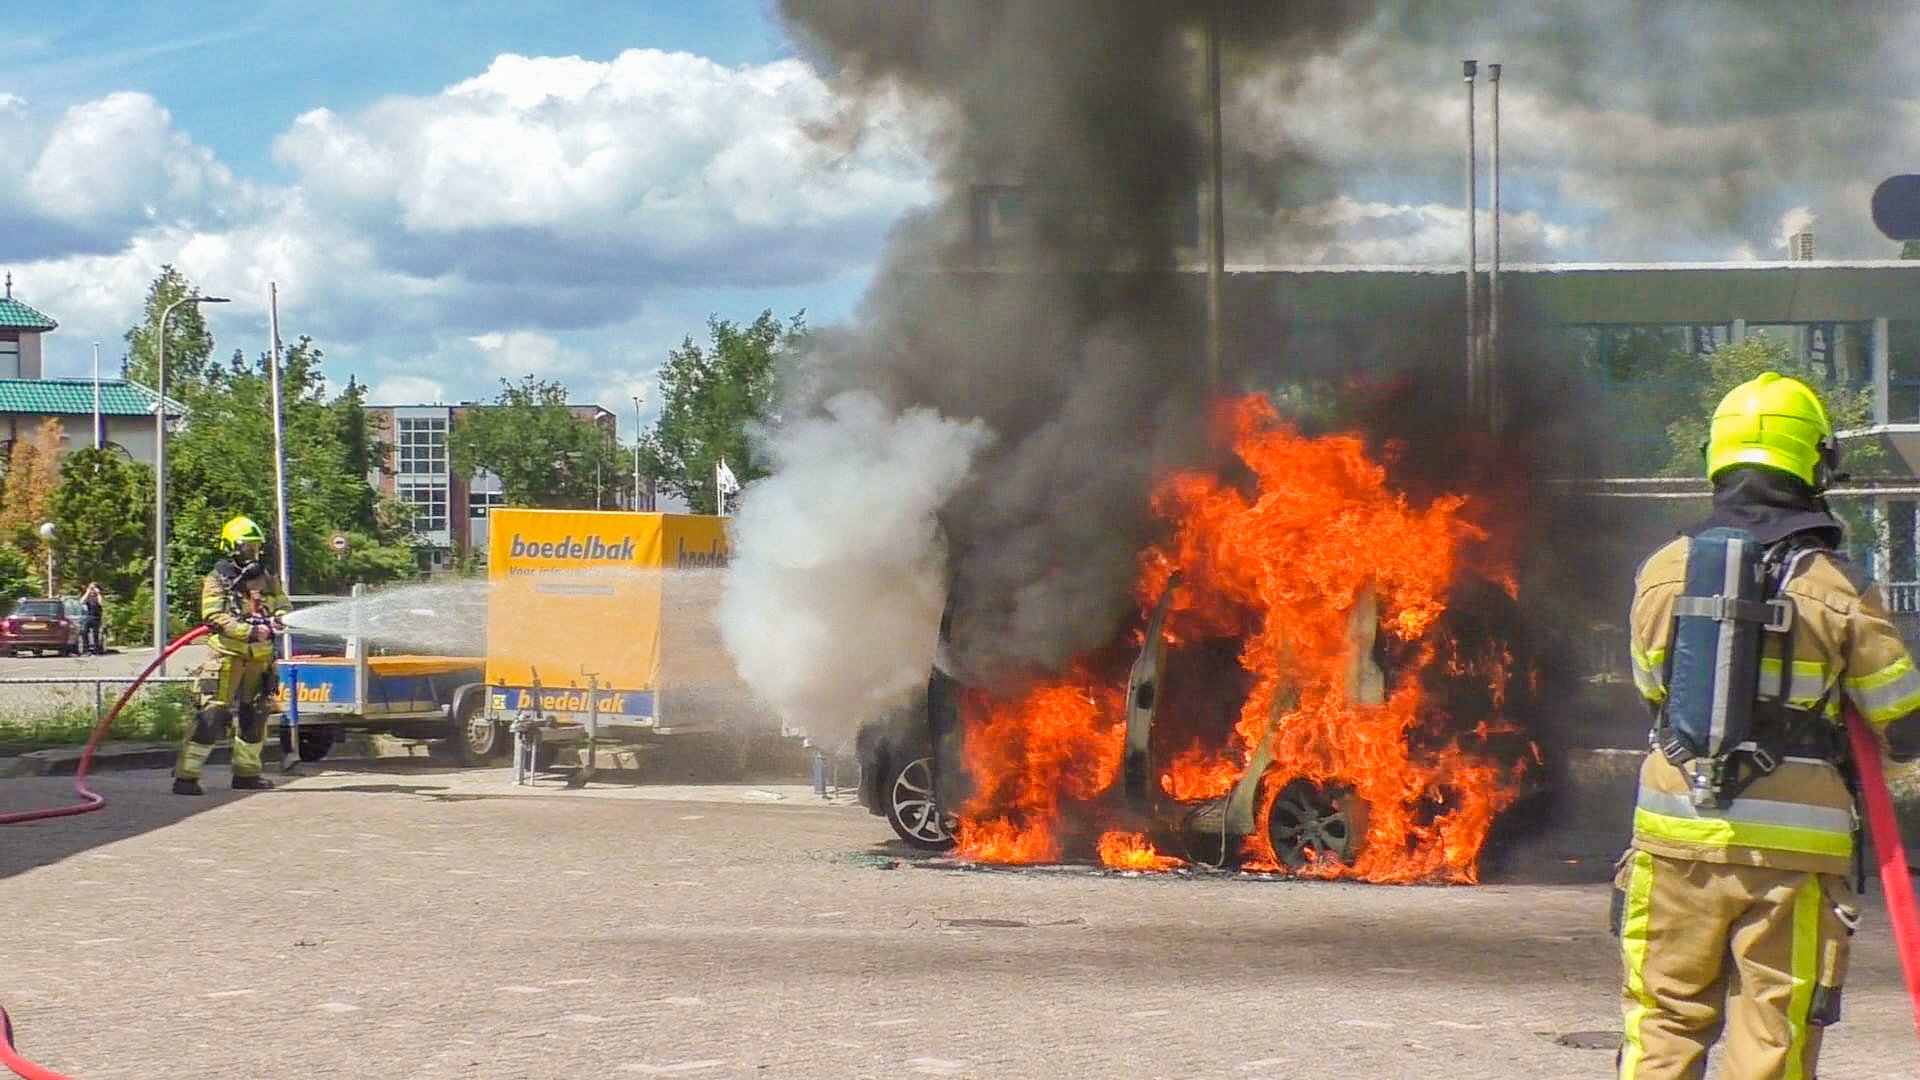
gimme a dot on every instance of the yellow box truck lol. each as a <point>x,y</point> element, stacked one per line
<point>599,620</point>
<point>606,616</point>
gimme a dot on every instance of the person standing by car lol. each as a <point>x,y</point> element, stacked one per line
<point>95,602</point>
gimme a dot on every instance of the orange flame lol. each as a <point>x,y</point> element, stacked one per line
<point>1197,774</point>
<point>1131,851</point>
<point>1059,743</point>
<point>1282,568</point>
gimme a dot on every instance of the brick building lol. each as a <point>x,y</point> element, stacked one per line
<point>451,510</point>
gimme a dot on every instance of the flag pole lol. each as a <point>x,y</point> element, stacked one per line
<point>99,422</point>
<point>279,438</point>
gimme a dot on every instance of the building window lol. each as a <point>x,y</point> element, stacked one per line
<point>429,503</point>
<point>1900,541</point>
<point>420,446</point>
<point>9,359</point>
<point>479,502</point>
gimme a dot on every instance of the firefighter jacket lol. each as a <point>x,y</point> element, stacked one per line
<point>233,601</point>
<point>1800,816</point>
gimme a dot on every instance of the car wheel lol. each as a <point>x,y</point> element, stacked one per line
<point>911,809</point>
<point>1310,822</point>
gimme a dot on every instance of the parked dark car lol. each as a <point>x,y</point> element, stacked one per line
<point>44,625</point>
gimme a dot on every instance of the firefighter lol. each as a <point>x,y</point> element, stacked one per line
<point>1732,906</point>
<point>243,603</point>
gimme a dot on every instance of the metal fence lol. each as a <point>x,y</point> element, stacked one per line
<point>27,696</point>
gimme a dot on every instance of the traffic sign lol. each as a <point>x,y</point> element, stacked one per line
<point>338,543</point>
<point>1896,207</point>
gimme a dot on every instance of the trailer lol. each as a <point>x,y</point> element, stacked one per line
<point>410,697</point>
<point>599,629</point>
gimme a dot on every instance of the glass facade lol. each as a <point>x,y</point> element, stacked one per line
<point>420,446</point>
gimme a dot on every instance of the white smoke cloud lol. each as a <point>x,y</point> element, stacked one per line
<point>838,576</point>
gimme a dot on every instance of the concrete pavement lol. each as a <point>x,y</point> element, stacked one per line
<point>408,921</point>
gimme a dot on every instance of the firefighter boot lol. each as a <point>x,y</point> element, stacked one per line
<point>208,726</point>
<point>248,740</point>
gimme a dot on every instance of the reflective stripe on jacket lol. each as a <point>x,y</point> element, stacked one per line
<point>1800,816</point>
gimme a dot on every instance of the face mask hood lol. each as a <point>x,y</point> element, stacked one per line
<point>1772,506</point>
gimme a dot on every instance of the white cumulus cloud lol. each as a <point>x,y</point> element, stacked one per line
<point>655,165</point>
<point>406,390</point>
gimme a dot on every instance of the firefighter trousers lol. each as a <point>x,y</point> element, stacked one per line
<point>235,693</point>
<point>1749,955</point>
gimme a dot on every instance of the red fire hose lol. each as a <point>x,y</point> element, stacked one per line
<point>1896,881</point>
<point>90,801</point>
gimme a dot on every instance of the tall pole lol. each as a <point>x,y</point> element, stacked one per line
<point>99,421</point>
<point>1493,271</point>
<point>636,453</point>
<point>281,539</point>
<point>1467,70</point>
<point>1216,209</point>
<point>160,488</point>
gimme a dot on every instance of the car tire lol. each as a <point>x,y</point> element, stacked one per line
<point>907,792</point>
<point>1307,817</point>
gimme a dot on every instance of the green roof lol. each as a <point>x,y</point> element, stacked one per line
<point>15,315</point>
<point>74,397</point>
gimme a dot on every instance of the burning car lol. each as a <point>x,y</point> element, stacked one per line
<point>1321,681</point>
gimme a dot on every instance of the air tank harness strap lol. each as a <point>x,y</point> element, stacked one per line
<point>1719,780</point>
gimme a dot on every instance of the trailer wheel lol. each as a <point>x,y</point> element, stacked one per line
<point>316,742</point>
<point>476,739</point>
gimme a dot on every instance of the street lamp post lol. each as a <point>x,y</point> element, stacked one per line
<point>160,474</point>
<point>636,453</point>
<point>46,537</point>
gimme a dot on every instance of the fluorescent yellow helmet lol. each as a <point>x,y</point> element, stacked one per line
<point>1775,422</point>
<point>241,530</point>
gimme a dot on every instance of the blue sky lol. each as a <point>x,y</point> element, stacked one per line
<point>452,194</point>
<point>235,74</point>
<point>231,79</point>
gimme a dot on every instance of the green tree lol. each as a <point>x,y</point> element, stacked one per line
<point>542,452</point>
<point>16,575</point>
<point>103,513</point>
<point>1730,365</point>
<point>709,396</point>
<point>189,343</point>
<point>220,463</point>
